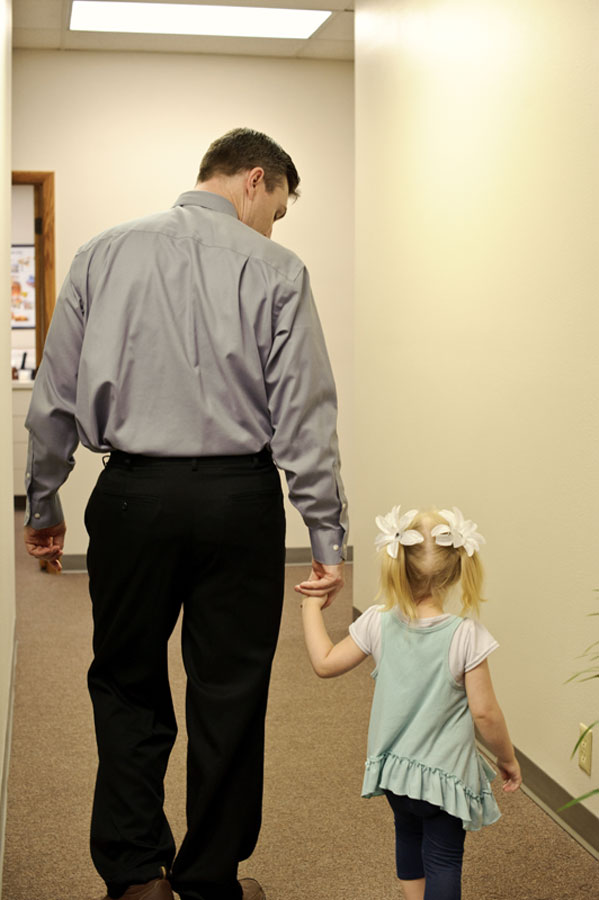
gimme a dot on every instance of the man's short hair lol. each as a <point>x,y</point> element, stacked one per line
<point>244,148</point>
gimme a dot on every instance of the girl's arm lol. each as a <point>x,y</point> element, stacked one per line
<point>327,659</point>
<point>490,723</point>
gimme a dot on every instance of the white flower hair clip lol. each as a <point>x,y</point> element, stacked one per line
<point>459,532</point>
<point>394,531</point>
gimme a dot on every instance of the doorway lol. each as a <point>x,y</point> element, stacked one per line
<point>32,301</point>
<point>45,274</point>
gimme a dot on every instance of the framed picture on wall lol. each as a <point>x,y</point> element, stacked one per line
<point>22,303</point>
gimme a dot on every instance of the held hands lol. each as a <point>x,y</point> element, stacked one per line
<point>324,583</point>
<point>46,543</point>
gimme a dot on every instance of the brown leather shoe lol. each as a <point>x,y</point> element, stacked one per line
<point>251,889</point>
<point>157,889</point>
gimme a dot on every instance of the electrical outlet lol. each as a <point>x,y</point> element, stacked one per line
<point>585,750</point>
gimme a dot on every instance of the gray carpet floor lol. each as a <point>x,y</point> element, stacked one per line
<point>319,839</point>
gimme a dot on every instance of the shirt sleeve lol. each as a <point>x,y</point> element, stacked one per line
<point>53,435</point>
<point>366,632</point>
<point>303,410</point>
<point>472,643</point>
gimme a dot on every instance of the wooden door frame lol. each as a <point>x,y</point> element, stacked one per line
<point>45,267</point>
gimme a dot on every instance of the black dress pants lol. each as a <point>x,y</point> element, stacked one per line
<point>207,535</point>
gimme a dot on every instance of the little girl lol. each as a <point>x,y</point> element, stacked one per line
<point>432,686</point>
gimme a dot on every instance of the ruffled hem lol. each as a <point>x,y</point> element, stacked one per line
<point>407,777</point>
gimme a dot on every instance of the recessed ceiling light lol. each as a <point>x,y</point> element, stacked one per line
<point>185,18</point>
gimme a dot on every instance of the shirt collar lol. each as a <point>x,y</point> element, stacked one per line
<point>422,623</point>
<point>208,200</point>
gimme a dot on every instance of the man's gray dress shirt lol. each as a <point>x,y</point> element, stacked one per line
<point>187,333</point>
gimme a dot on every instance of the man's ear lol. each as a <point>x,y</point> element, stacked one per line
<point>253,179</point>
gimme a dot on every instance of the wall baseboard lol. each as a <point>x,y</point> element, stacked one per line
<point>6,765</point>
<point>580,823</point>
<point>74,563</point>
<point>295,556</point>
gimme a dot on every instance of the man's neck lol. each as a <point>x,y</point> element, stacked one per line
<point>229,188</point>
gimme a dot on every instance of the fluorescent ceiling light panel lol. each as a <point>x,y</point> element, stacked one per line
<point>180,18</point>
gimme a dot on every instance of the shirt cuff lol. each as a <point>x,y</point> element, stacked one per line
<point>43,513</point>
<point>329,547</point>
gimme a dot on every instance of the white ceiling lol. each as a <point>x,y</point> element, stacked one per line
<point>43,24</point>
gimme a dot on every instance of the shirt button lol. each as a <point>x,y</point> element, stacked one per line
<point>335,546</point>
<point>37,516</point>
<point>28,474</point>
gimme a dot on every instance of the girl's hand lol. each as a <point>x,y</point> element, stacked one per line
<point>324,582</point>
<point>510,775</point>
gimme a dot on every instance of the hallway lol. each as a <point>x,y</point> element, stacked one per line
<point>319,839</point>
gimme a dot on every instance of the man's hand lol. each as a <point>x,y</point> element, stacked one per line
<point>324,581</point>
<point>46,544</point>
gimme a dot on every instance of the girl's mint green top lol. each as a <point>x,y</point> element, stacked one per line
<point>421,736</point>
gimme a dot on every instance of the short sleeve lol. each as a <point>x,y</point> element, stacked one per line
<point>472,643</point>
<point>366,632</point>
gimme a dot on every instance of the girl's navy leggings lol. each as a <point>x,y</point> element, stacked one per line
<point>429,843</point>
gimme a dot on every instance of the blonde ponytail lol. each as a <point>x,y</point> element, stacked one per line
<point>471,582</point>
<point>395,589</point>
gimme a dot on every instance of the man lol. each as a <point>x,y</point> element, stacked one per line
<point>187,346</point>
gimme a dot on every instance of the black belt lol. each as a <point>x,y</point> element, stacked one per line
<point>118,458</point>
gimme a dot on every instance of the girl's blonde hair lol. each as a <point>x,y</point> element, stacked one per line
<point>429,570</point>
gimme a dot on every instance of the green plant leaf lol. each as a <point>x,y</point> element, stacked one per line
<point>578,674</point>
<point>578,800</point>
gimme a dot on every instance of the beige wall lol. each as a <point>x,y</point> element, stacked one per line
<point>477,371</point>
<point>124,133</point>
<point>7,569</point>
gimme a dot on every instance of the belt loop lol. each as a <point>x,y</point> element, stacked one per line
<point>194,464</point>
<point>105,459</point>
